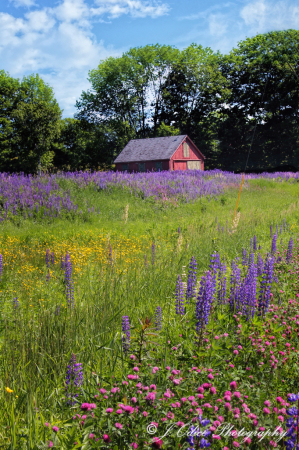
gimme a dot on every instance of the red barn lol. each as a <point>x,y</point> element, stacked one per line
<point>162,153</point>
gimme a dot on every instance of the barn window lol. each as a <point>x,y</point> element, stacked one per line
<point>186,150</point>
<point>141,167</point>
<point>158,166</point>
<point>194,165</point>
<point>125,167</point>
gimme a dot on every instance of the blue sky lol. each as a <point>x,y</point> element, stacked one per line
<point>62,40</point>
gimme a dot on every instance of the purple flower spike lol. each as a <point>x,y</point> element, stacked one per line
<point>191,283</point>
<point>204,301</point>
<point>267,278</point>
<point>289,251</point>
<point>273,247</point>
<point>126,333</point>
<point>74,380</point>
<point>179,295</point>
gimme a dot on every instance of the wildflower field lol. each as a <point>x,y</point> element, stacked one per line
<point>136,313</point>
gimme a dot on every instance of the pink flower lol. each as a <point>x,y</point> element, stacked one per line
<point>247,440</point>
<point>145,414</point>
<point>114,390</point>
<point>134,399</point>
<point>47,424</point>
<point>191,398</point>
<point>109,410</point>
<point>267,403</point>
<point>235,352</point>
<point>280,418</point>
<point>210,376</point>
<point>157,442</point>
<point>118,425</point>
<point>217,337</point>
<point>134,445</point>
<point>170,415</point>
<point>55,429</point>
<point>119,411</point>
<point>85,407</point>
<point>136,369</point>
<point>103,391</point>
<point>153,386</point>
<point>180,424</point>
<point>236,444</point>
<point>151,396</point>
<point>50,444</point>
<point>213,390</point>
<point>91,436</point>
<point>227,406</point>
<point>237,394</point>
<point>133,357</point>
<point>215,436</point>
<point>155,369</point>
<point>266,411</point>
<point>207,405</point>
<point>200,389</point>
<point>273,444</point>
<point>233,385</point>
<point>106,438</point>
<point>128,409</point>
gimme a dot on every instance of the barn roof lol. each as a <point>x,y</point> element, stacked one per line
<point>151,149</point>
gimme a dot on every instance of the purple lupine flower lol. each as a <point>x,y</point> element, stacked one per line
<point>265,286</point>
<point>48,258</point>
<point>57,310</point>
<point>273,247</point>
<point>204,301</point>
<point>1,267</point>
<point>126,333</point>
<point>235,287</point>
<point>248,292</point>
<point>48,276</point>
<point>179,230</point>
<point>52,258</point>
<point>158,318</point>
<point>260,265</point>
<point>153,253</point>
<point>15,303</point>
<point>254,243</point>
<point>250,259</point>
<point>221,290</point>
<point>73,381</point>
<point>191,282</point>
<point>281,229</point>
<point>289,251</point>
<point>68,280</point>
<point>244,257</point>
<point>271,231</point>
<point>179,295</point>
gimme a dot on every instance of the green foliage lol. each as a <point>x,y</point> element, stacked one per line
<point>30,128</point>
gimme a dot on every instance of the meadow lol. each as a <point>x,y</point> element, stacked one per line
<point>135,313</point>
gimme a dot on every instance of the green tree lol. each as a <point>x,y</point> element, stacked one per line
<point>263,77</point>
<point>30,119</point>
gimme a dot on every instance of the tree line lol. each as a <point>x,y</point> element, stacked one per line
<point>229,105</point>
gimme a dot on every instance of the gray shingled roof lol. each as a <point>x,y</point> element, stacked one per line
<point>150,149</point>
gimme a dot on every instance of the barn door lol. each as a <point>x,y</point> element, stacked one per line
<point>179,165</point>
<point>194,165</point>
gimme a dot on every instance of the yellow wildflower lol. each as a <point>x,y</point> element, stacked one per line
<point>8,390</point>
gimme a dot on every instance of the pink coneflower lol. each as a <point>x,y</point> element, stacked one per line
<point>109,410</point>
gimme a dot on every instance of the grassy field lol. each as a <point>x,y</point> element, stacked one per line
<point>125,260</point>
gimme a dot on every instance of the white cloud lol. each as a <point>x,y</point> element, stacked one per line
<point>58,43</point>
<point>263,15</point>
<point>27,3</point>
<point>218,24</point>
<point>136,8</point>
